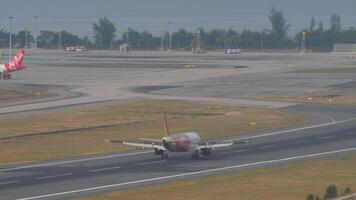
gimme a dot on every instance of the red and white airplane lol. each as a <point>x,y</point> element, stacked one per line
<point>182,142</point>
<point>14,65</point>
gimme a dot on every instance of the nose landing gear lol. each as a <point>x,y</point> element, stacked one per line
<point>162,153</point>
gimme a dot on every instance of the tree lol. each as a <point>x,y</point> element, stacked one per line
<point>312,24</point>
<point>132,37</point>
<point>67,39</point>
<point>215,38</point>
<point>347,191</point>
<point>331,192</point>
<point>310,197</point>
<point>321,26</point>
<point>335,23</point>
<point>147,40</point>
<point>46,39</point>
<point>232,38</point>
<point>86,42</point>
<point>104,32</point>
<point>24,38</point>
<point>279,26</point>
<point>349,35</point>
<point>182,39</point>
<point>4,38</point>
<point>250,39</point>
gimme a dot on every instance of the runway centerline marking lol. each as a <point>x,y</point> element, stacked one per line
<point>267,147</point>
<point>8,182</point>
<point>54,176</point>
<point>151,163</point>
<point>295,130</point>
<point>75,161</point>
<point>145,152</point>
<point>190,174</point>
<point>104,169</point>
<point>325,137</point>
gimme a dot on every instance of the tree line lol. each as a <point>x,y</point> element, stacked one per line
<point>331,192</point>
<point>316,37</point>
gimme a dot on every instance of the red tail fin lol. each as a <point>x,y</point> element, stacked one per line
<point>18,59</point>
<point>167,132</point>
<point>16,62</point>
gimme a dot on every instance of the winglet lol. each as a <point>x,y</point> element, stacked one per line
<point>167,132</point>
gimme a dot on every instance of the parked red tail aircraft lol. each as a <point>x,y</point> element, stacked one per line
<point>181,142</point>
<point>14,65</point>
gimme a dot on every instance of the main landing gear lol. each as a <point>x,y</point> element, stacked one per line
<point>5,76</point>
<point>162,153</point>
<point>195,154</point>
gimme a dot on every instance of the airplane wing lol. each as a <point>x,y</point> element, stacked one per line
<point>150,140</point>
<point>219,144</point>
<point>140,144</point>
<point>214,145</point>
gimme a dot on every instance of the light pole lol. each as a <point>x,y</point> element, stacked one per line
<point>162,39</point>
<point>128,35</point>
<point>35,34</point>
<point>60,38</point>
<point>10,37</point>
<point>304,45</point>
<point>198,40</point>
<point>26,37</point>
<point>170,36</point>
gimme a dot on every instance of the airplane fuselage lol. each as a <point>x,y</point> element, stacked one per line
<point>182,142</point>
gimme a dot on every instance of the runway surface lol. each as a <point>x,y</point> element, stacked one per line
<point>93,175</point>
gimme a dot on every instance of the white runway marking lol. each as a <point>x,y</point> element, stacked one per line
<point>267,147</point>
<point>325,138</point>
<point>347,197</point>
<point>8,182</point>
<point>104,169</point>
<point>74,161</point>
<point>151,163</point>
<point>54,176</point>
<point>189,174</point>
<point>296,129</point>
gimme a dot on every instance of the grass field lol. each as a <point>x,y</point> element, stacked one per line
<point>9,95</point>
<point>127,121</point>
<point>292,181</point>
<point>313,98</point>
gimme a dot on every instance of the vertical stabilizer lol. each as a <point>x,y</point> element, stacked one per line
<point>16,63</point>
<point>167,132</point>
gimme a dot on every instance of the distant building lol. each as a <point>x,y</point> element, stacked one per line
<point>125,48</point>
<point>344,47</point>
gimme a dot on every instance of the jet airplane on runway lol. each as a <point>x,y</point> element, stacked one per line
<point>181,142</point>
<point>14,65</point>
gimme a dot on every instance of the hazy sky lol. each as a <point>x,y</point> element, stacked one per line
<point>153,15</point>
